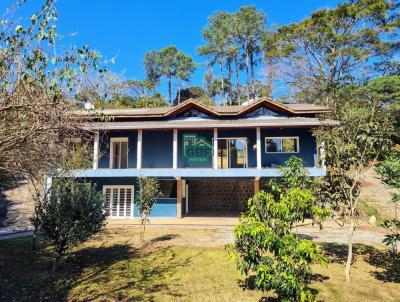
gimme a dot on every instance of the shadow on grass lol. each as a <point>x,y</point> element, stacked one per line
<point>386,266</point>
<point>166,237</point>
<point>117,272</point>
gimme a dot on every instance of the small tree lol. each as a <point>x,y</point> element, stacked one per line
<point>149,190</point>
<point>265,244</point>
<point>389,169</point>
<point>69,214</point>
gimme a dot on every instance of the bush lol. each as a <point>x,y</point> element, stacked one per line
<point>266,250</point>
<point>69,214</point>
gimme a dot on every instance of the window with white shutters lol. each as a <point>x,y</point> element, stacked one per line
<point>119,200</point>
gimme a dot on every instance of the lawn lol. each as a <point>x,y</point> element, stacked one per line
<point>113,267</point>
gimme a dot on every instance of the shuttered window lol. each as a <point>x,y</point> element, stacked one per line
<point>119,200</point>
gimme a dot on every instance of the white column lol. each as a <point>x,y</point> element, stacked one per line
<point>139,149</point>
<point>175,150</point>
<point>215,146</point>
<point>96,150</point>
<point>258,131</point>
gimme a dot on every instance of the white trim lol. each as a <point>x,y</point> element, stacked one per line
<point>117,187</point>
<point>96,145</point>
<point>175,150</point>
<point>258,134</point>
<point>215,149</point>
<point>282,137</point>
<point>139,149</point>
<point>117,140</point>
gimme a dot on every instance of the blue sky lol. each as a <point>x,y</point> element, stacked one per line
<point>127,29</point>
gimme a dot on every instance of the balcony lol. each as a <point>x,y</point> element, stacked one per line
<point>191,173</point>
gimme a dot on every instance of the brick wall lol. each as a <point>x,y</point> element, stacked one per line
<point>225,196</point>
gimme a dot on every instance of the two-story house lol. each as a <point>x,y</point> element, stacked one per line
<point>208,159</point>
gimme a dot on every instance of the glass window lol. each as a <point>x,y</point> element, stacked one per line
<point>281,145</point>
<point>119,154</point>
<point>274,145</point>
<point>289,145</point>
<point>232,153</point>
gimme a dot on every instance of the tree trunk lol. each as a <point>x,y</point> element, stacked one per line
<point>56,262</point>
<point>221,67</point>
<point>349,252</point>
<point>247,75</point>
<point>169,89</point>
<point>230,81</point>
<point>270,76</point>
<point>179,94</point>
<point>253,88</point>
<point>237,80</point>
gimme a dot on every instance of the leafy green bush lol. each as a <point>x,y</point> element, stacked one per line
<point>266,249</point>
<point>69,214</point>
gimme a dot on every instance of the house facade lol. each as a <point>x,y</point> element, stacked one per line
<point>208,159</point>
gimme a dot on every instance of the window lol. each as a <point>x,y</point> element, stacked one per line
<point>119,153</point>
<point>281,145</point>
<point>232,153</point>
<point>119,200</point>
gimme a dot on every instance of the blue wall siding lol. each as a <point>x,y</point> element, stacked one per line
<point>157,149</point>
<point>250,134</point>
<point>104,161</point>
<point>164,207</point>
<point>307,145</point>
<point>181,163</point>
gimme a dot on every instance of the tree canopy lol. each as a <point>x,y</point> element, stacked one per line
<point>171,63</point>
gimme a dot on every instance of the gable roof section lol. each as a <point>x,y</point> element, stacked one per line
<point>228,111</point>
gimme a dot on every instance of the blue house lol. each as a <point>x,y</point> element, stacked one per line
<point>208,159</point>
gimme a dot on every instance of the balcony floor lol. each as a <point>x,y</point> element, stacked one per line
<point>190,173</point>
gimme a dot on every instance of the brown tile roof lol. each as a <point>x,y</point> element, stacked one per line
<point>213,110</point>
<point>211,123</point>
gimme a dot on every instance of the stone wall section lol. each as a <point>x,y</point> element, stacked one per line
<point>221,196</point>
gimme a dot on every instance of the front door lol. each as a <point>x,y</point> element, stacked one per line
<point>119,200</point>
<point>232,153</point>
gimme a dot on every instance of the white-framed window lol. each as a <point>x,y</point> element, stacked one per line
<point>119,200</point>
<point>119,153</point>
<point>287,144</point>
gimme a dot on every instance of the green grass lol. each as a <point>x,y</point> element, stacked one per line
<point>112,267</point>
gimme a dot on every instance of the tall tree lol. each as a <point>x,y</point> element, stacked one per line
<point>251,28</point>
<point>170,63</point>
<point>37,78</point>
<point>217,37</point>
<point>363,135</point>
<point>334,47</point>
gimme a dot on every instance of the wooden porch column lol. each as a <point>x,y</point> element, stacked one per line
<point>256,185</point>
<point>175,150</point>
<point>258,132</point>
<point>215,149</point>
<point>96,150</point>
<point>139,149</point>
<point>179,198</point>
